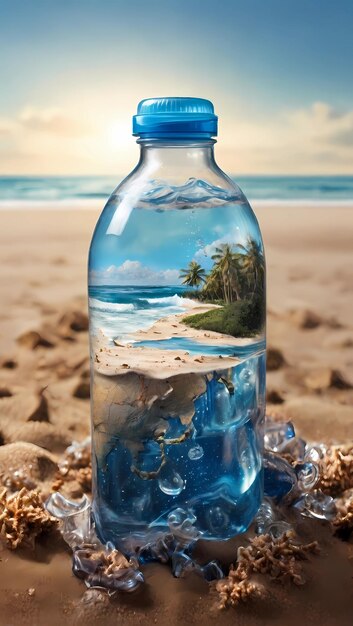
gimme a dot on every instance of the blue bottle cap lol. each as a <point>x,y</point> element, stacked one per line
<point>178,118</point>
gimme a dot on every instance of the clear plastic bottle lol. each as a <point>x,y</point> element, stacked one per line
<point>177,329</point>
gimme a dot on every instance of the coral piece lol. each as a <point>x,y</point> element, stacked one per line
<point>17,479</point>
<point>233,590</point>
<point>343,523</point>
<point>275,558</point>
<point>337,470</point>
<point>23,518</point>
<point>81,476</point>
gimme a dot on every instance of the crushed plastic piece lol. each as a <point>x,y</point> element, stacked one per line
<point>74,517</point>
<point>264,517</point>
<point>317,505</point>
<point>307,474</point>
<point>277,434</point>
<point>279,476</point>
<point>107,569</point>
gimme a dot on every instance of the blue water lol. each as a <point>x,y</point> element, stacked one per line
<point>209,471</point>
<point>195,347</point>
<point>119,311</point>
<point>83,188</point>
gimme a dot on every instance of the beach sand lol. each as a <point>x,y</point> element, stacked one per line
<point>44,402</point>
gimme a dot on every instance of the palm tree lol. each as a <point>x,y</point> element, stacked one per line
<point>194,275</point>
<point>253,264</point>
<point>228,262</point>
<point>214,284</point>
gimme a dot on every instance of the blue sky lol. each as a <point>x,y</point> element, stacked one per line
<point>192,237</point>
<point>280,74</point>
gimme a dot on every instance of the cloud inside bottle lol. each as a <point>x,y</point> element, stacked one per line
<point>134,273</point>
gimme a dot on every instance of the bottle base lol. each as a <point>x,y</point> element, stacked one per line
<point>215,517</point>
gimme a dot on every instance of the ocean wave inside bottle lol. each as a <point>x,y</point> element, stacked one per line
<point>177,317</point>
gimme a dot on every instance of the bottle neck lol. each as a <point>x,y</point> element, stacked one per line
<point>178,154</point>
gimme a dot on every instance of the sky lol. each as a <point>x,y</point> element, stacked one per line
<point>280,74</point>
<point>132,256</point>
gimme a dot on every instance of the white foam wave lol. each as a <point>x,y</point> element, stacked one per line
<point>110,306</point>
<point>184,303</point>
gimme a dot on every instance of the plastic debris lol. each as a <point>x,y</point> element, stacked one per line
<point>307,474</point>
<point>317,505</point>
<point>279,476</point>
<point>181,525</point>
<point>107,569</point>
<point>74,517</point>
<point>277,435</point>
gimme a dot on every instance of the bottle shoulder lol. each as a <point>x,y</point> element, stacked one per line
<point>148,189</point>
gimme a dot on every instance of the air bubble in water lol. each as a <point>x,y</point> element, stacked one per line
<point>195,453</point>
<point>170,482</point>
<point>246,376</point>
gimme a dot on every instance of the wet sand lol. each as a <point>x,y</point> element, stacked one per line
<point>44,403</point>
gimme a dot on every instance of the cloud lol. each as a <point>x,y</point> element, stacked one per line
<point>134,273</point>
<point>6,126</point>
<point>51,121</point>
<point>324,124</point>
<point>316,139</point>
<point>210,249</point>
<point>47,120</point>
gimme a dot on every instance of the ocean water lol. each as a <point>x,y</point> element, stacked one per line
<point>84,191</point>
<point>119,311</point>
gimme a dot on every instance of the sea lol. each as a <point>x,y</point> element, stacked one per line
<point>92,191</point>
<point>120,311</point>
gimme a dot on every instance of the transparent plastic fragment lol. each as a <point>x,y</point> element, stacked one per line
<point>317,505</point>
<point>278,528</point>
<point>106,569</point>
<point>279,476</point>
<point>294,447</point>
<point>308,475</point>
<point>75,519</point>
<point>277,435</point>
<point>181,525</point>
<point>315,453</point>
<point>264,517</point>
<point>160,550</point>
<point>183,564</point>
